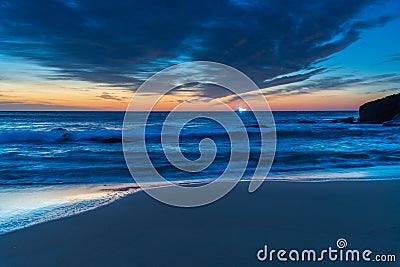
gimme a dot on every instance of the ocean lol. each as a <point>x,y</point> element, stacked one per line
<point>55,164</point>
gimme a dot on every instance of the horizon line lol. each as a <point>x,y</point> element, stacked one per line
<point>330,110</point>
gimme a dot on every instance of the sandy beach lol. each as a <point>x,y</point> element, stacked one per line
<point>139,231</point>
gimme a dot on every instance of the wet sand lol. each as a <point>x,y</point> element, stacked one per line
<point>139,231</point>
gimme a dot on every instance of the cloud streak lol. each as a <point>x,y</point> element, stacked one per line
<point>338,83</point>
<point>109,96</point>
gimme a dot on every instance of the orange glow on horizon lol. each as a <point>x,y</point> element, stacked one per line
<point>62,98</point>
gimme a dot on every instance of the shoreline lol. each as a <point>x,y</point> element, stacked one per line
<point>32,205</point>
<point>128,232</point>
<point>119,191</point>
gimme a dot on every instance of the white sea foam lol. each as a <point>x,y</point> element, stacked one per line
<point>24,206</point>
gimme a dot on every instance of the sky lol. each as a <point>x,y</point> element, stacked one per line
<point>93,55</point>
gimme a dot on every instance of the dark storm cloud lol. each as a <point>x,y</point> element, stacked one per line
<point>204,89</point>
<point>124,42</point>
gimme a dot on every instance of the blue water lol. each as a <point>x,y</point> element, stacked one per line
<point>61,151</point>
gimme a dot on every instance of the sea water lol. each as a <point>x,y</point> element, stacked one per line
<point>55,164</point>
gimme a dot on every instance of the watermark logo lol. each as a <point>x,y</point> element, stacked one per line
<point>137,125</point>
<point>341,243</point>
<point>340,253</point>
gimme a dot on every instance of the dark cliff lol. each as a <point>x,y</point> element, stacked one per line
<point>380,110</point>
